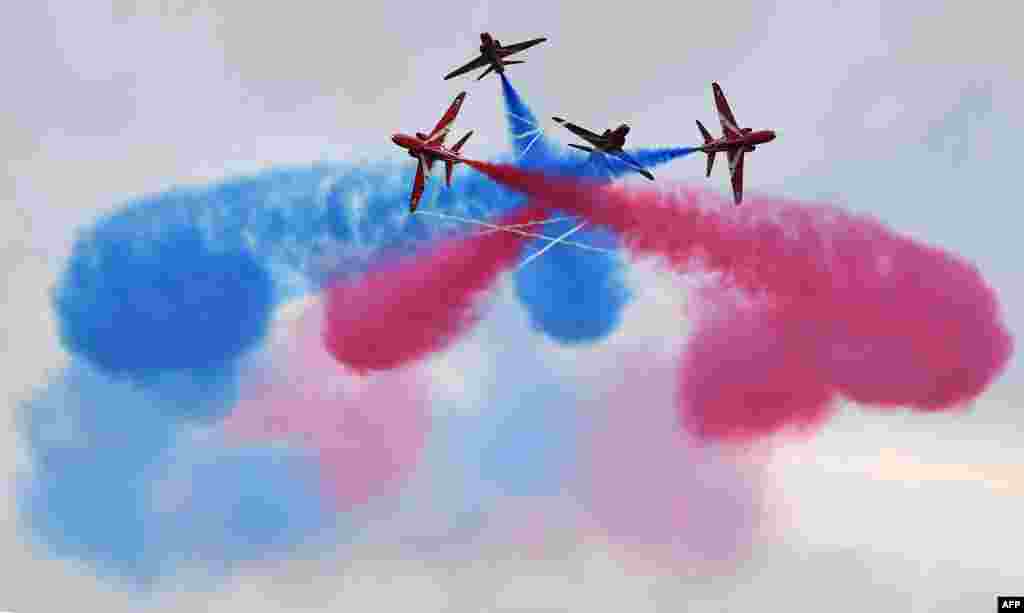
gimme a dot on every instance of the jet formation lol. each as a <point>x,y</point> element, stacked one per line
<point>735,141</point>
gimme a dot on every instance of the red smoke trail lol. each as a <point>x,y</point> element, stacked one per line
<point>397,314</point>
<point>834,304</point>
<point>367,433</point>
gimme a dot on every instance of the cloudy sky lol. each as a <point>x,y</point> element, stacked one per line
<point>904,112</point>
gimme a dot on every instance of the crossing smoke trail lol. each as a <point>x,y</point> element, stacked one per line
<point>831,304</point>
<point>396,314</point>
<point>530,145</point>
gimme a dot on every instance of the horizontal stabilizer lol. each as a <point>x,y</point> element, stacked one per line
<point>637,166</point>
<point>462,141</point>
<point>486,72</point>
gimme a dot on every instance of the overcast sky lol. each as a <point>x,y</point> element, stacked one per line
<point>907,111</point>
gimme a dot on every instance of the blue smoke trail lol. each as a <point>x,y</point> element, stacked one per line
<point>654,157</point>
<point>529,145</point>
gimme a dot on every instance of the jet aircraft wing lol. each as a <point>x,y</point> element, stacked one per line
<point>585,134</point>
<point>736,169</point>
<point>418,184</point>
<point>725,116</point>
<point>442,127</point>
<point>507,50</point>
<point>479,62</point>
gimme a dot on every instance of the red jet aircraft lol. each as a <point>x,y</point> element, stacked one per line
<point>493,54</point>
<point>735,142</point>
<point>428,148</point>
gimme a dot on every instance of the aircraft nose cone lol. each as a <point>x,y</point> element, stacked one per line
<point>397,139</point>
<point>771,135</point>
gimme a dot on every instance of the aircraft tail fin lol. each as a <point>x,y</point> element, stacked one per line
<point>707,139</point>
<point>449,165</point>
<point>486,72</point>
<point>704,132</point>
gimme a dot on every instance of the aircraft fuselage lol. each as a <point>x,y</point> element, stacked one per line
<point>489,49</point>
<point>745,141</point>
<point>417,146</point>
<point>615,140</point>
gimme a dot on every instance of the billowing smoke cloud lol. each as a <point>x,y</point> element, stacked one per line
<point>367,434</point>
<point>838,305</point>
<point>214,507</point>
<point>164,305</point>
<point>146,301</point>
<point>502,450</point>
<point>114,483</point>
<point>657,493</point>
<point>572,295</point>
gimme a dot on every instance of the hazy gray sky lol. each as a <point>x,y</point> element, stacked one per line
<point>909,112</point>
